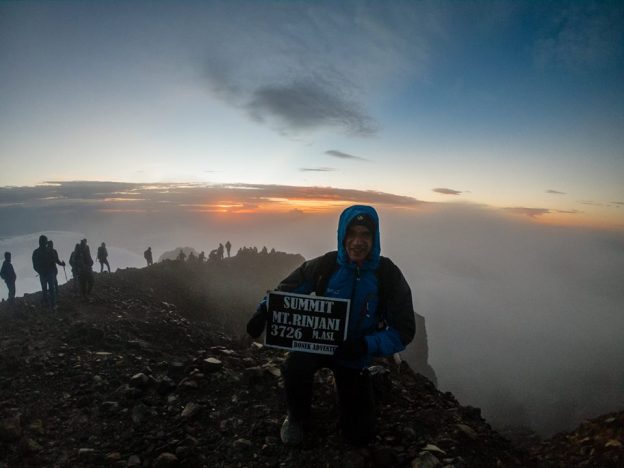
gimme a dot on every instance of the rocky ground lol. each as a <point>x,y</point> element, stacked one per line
<point>596,443</point>
<point>133,378</point>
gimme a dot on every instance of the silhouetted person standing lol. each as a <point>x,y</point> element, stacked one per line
<point>7,273</point>
<point>44,265</point>
<point>220,252</point>
<point>148,256</point>
<point>56,262</point>
<point>202,257</point>
<point>85,271</point>
<point>228,246</point>
<point>73,263</point>
<point>102,256</point>
<point>181,256</point>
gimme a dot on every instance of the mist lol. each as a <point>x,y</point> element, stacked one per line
<point>523,320</point>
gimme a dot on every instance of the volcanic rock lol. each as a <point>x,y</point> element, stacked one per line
<point>77,388</point>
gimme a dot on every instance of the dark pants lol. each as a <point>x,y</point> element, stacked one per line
<point>356,403</point>
<point>102,263</point>
<point>55,282</point>
<point>76,277</point>
<point>48,288</point>
<point>86,282</point>
<point>11,286</point>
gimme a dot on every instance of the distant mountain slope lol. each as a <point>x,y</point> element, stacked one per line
<point>133,377</point>
<point>598,442</point>
<point>153,371</point>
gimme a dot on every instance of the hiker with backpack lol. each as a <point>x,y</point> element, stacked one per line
<point>381,323</point>
<point>7,273</point>
<point>84,265</point>
<point>45,265</point>
<point>75,267</point>
<point>57,261</point>
<point>228,246</point>
<point>102,256</point>
<point>147,255</point>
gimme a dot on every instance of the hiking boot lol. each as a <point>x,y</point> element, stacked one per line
<point>291,432</point>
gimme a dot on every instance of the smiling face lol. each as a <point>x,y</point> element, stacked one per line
<point>358,243</point>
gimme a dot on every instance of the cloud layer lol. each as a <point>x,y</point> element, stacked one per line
<point>447,191</point>
<point>342,155</point>
<point>307,105</point>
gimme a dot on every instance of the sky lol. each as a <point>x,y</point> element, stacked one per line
<point>488,135</point>
<point>513,105</point>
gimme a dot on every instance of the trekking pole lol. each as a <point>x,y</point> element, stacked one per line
<point>65,273</point>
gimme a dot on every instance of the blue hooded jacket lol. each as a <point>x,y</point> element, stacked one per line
<point>385,335</point>
<point>359,283</point>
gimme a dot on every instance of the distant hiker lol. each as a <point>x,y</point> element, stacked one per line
<point>102,256</point>
<point>220,252</point>
<point>228,246</point>
<point>56,262</point>
<point>85,272</point>
<point>381,323</point>
<point>213,255</point>
<point>191,257</point>
<point>148,256</point>
<point>44,264</point>
<point>7,273</point>
<point>74,267</point>
<point>181,256</point>
<point>202,257</point>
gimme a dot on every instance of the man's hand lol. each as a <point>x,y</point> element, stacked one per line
<point>351,349</point>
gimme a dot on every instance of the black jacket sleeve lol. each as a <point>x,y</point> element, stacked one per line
<point>300,280</point>
<point>399,308</point>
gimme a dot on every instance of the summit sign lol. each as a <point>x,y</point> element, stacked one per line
<point>311,324</point>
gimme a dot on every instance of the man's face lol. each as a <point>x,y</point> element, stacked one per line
<point>358,243</point>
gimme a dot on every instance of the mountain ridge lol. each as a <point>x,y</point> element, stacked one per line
<point>148,373</point>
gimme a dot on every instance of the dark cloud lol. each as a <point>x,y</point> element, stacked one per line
<point>327,193</point>
<point>62,190</point>
<point>530,212</point>
<point>341,155</point>
<point>590,203</point>
<point>447,191</point>
<point>305,105</point>
<point>555,192</point>
<point>161,197</point>
<point>582,35</point>
<point>317,169</point>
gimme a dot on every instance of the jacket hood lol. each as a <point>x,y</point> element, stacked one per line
<point>345,219</point>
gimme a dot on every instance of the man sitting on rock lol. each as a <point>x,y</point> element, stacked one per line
<point>381,323</point>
